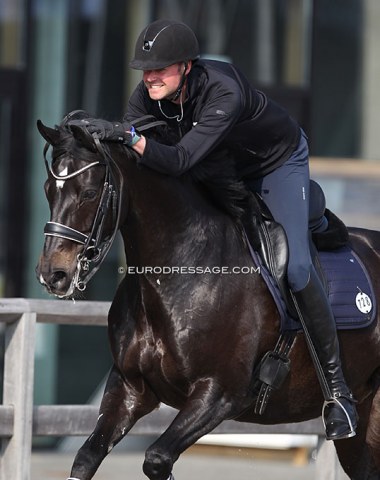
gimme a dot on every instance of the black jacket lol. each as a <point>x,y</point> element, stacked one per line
<point>222,109</point>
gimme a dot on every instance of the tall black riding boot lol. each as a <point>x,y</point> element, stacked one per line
<point>339,412</point>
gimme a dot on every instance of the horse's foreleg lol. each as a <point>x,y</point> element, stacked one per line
<point>122,405</point>
<point>205,410</point>
<point>354,453</point>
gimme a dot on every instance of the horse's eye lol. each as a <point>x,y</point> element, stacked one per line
<point>88,195</point>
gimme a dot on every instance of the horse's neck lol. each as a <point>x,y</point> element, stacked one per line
<point>168,219</point>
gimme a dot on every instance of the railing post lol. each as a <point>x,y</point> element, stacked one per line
<point>327,464</point>
<point>18,392</point>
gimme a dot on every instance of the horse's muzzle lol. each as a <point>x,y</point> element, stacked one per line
<point>57,279</point>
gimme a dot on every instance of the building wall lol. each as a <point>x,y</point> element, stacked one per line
<point>370,146</point>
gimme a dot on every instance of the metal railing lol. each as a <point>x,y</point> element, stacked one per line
<point>20,420</point>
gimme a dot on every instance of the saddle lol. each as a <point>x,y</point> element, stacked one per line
<point>268,238</point>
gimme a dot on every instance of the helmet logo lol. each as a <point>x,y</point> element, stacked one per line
<point>147,45</point>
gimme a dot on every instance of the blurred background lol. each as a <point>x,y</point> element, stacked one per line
<point>317,58</point>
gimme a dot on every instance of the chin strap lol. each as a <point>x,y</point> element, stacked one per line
<point>177,93</point>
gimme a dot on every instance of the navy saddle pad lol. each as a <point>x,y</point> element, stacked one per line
<point>349,288</point>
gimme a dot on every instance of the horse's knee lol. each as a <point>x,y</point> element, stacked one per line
<point>158,464</point>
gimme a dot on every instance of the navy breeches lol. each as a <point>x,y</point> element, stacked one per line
<point>286,192</point>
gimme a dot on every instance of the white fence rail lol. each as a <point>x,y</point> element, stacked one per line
<point>20,420</point>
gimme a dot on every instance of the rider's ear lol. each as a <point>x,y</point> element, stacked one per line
<point>188,66</point>
<point>84,137</point>
<point>51,135</point>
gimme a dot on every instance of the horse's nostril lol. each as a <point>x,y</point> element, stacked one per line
<point>57,276</point>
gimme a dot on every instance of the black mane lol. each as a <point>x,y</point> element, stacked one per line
<point>216,176</point>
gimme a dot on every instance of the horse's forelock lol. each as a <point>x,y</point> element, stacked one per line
<point>68,144</point>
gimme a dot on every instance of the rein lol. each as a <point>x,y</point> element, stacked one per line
<point>95,247</point>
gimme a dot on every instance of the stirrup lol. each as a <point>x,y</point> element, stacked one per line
<point>335,400</point>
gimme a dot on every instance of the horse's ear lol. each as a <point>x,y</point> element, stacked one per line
<point>51,135</point>
<point>84,137</point>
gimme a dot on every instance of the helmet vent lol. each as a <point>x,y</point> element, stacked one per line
<point>147,45</point>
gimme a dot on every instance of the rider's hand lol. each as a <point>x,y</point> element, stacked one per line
<point>109,131</point>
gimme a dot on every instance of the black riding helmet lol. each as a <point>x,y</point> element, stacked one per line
<point>163,43</point>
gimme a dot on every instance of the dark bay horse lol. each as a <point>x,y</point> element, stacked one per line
<point>187,338</point>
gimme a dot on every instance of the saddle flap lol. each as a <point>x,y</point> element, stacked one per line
<point>274,248</point>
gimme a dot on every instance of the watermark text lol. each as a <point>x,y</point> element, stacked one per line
<point>189,270</point>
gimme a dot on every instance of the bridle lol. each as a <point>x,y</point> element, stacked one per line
<point>95,247</point>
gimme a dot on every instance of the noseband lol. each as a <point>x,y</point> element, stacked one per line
<point>95,248</point>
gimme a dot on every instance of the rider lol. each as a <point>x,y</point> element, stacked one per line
<point>209,102</point>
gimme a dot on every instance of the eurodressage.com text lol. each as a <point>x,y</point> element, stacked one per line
<point>188,270</point>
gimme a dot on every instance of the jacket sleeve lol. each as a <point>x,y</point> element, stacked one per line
<point>220,113</point>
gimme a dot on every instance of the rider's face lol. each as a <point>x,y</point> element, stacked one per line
<point>164,82</point>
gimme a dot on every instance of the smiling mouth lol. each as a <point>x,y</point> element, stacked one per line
<point>154,86</point>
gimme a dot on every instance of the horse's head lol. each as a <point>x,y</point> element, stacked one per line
<point>83,197</point>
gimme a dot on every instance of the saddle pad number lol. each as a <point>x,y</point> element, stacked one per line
<point>363,302</point>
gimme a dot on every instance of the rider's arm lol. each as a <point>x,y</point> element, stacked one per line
<point>218,117</point>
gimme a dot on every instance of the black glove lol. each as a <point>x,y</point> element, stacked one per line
<point>109,131</point>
